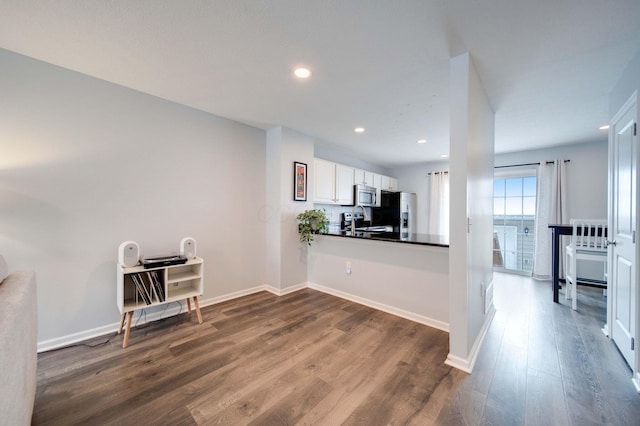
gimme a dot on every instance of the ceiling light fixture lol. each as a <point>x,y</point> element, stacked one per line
<point>422,141</point>
<point>359,130</point>
<point>605,127</point>
<point>444,155</point>
<point>302,72</point>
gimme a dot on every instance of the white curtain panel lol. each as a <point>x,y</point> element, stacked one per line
<point>439,204</point>
<point>550,209</point>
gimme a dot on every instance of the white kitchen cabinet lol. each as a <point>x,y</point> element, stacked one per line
<point>344,184</point>
<point>393,184</point>
<point>388,183</point>
<point>324,181</point>
<point>377,183</point>
<point>363,177</point>
<point>358,177</point>
<point>333,183</point>
<point>369,178</point>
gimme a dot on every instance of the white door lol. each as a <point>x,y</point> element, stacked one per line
<point>622,229</point>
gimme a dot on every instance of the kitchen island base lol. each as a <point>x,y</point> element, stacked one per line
<point>407,280</point>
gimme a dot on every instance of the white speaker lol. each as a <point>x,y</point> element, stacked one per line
<point>129,254</point>
<point>188,247</point>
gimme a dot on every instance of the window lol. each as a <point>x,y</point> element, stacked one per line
<point>514,214</point>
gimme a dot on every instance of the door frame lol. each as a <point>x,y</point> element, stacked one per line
<point>630,103</point>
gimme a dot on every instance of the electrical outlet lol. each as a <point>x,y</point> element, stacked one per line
<point>348,270</point>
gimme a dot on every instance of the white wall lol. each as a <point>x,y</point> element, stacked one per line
<point>471,193</point>
<point>415,178</point>
<point>586,182</point>
<point>272,208</point>
<point>586,174</point>
<point>86,164</point>
<point>333,153</point>
<point>587,169</point>
<point>287,264</point>
<point>628,83</point>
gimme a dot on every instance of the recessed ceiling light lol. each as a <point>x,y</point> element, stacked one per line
<point>444,155</point>
<point>422,141</point>
<point>605,127</point>
<point>359,130</point>
<point>302,72</point>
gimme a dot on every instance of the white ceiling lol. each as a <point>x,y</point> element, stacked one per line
<point>547,65</point>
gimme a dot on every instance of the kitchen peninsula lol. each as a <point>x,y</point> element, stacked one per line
<point>400,272</point>
<point>408,277</point>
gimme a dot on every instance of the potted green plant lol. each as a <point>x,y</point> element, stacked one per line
<point>312,222</point>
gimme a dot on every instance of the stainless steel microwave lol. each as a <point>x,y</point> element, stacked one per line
<point>364,195</point>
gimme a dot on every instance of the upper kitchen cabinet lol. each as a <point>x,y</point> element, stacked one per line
<point>324,181</point>
<point>383,183</point>
<point>333,183</point>
<point>363,177</point>
<point>377,184</point>
<point>388,183</point>
<point>344,184</point>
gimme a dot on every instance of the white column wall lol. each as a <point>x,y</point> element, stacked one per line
<point>272,209</point>
<point>471,185</point>
<point>287,257</point>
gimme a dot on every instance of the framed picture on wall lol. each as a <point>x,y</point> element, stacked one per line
<point>299,181</point>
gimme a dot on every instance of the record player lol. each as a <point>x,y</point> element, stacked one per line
<point>163,260</point>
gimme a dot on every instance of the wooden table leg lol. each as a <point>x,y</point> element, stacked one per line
<point>127,330</point>
<point>189,306</point>
<point>121,322</point>
<point>195,302</point>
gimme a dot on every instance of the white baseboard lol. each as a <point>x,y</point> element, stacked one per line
<point>636,381</point>
<point>234,295</point>
<point>169,310</point>
<point>488,298</point>
<point>70,339</point>
<point>467,364</point>
<point>440,325</point>
<point>175,308</point>
<point>462,364</point>
<point>140,317</point>
<point>287,290</point>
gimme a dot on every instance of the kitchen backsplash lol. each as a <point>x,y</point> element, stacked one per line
<point>334,212</point>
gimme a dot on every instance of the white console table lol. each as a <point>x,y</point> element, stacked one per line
<point>140,287</point>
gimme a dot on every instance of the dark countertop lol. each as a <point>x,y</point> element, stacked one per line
<point>394,237</point>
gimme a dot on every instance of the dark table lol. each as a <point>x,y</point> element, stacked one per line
<point>556,232</point>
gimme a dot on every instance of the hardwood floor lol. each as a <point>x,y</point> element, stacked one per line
<point>311,358</point>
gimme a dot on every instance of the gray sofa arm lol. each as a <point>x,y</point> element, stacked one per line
<point>18,348</point>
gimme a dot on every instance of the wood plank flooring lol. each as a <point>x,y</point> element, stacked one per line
<point>313,359</point>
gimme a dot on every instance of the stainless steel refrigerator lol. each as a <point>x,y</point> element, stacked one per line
<point>397,209</point>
